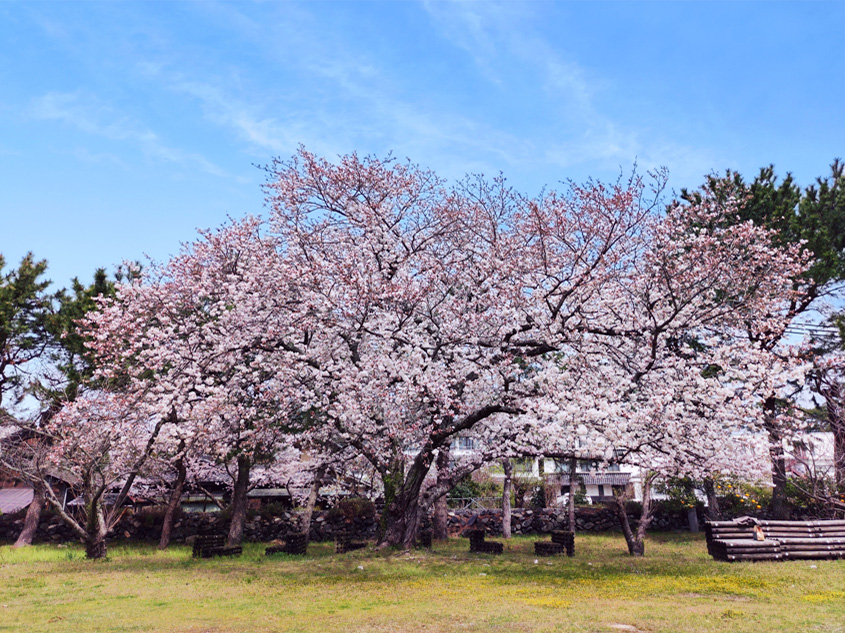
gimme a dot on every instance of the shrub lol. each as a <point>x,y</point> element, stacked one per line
<point>352,508</point>
<point>273,510</point>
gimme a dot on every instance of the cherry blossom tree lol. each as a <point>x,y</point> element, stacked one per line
<point>192,331</point>
<point>425,308</point>
<point>97,445</point>
<point>440,311</point>
<point>382,313</point>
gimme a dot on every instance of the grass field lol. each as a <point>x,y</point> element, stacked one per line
<point>676,588</point>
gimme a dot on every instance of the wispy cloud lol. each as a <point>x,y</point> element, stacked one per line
<point>500,34</point>
<point>92,116</point>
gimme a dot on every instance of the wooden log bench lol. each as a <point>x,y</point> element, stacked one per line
<point>548,548</point>
<point>478,545</point>
<point>296,544</point>
<point>209,545</point>
<point>747,538</point>
<point>562,541</point>
<point>343,543</point>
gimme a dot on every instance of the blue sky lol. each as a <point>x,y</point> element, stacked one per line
<point>126,126</point>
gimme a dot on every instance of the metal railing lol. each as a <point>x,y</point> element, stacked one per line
<point>474,503</point>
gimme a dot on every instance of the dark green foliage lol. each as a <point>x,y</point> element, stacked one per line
<point>68,351</point>
<point>681,493</point>
<point>272,510</point>
<point>538,497</point>
<point>815,215</point>
<point>25,307</point>
<point>35,324</point>
<point>353,508</point>
<point>468,488</point>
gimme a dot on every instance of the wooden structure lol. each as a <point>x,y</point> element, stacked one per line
<point>208,545</point>
<point>477,544</point>
<point>343,542</point>
<point>562,540</point>
<point>296,544</point>
<point>747,538</point>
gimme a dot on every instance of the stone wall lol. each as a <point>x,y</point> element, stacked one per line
<point>146,526</point>
<point>524,521</point>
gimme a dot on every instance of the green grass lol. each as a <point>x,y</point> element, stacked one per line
<point>676,588</point>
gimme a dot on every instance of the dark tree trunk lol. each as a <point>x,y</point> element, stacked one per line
<point>173,504</point>
<point>780,503</point>
<point>636,540</point>
<point>33,516</point>
<point>839,453</point>
<point>312,501</point>
<point>95,546</point>
<point>239,502</point>
<point>402,515</point>
<point>714,512</point>
<point>506,498</point>
<point>836,417</point>
<point>96,527</point>
<point>573,467</point>
<point>440,516</point>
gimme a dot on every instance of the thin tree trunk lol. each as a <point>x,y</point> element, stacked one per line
<point>239,502</point>
<point>780,503</point>
<point>573,467</point>
<point>836,418</point>
<point>174,503</point>
<point>636,540</point>
<point>312,501</point>
<point>440,516</point>
<point>692,519</point>
<point>33,517</point>
<point>714,512</point>
<point>506,498</point>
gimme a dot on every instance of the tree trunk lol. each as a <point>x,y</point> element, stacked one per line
<point>836,418</point>
<point>692,518</point>
<point>174,503</point>
<point>402,515</point>
<point>440,516</point>
<point>95,539</point>
<point>95,546</point>
<point>636,540</point>
<point>839,452</point>
<point>573,468</point>
<point>780,503</point>
<point>714,512</point>
<point>239,501</point>
<point>402,520</point>
<point>506,498</point>
<point>312,501</point>
<point>33,516</point>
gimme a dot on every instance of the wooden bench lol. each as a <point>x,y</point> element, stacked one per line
<point>478,545</point>
<point>562,540</point>
<point>343,542</point>
<point>747,538</point>
<point>296,544</point>
<point>208,545</point>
